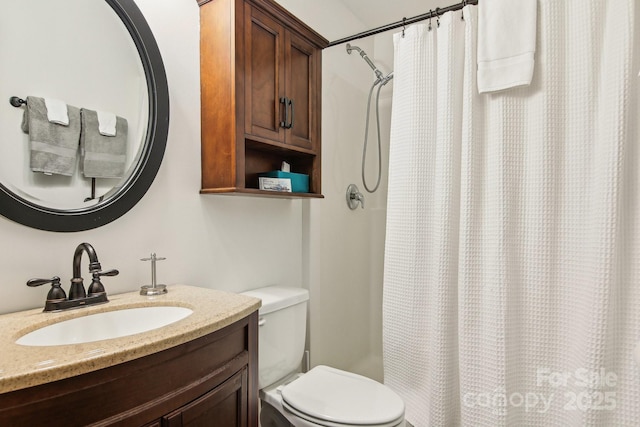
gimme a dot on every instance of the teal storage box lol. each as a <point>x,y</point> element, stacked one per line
<point>299,181</point>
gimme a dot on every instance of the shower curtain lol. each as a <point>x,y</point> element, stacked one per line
<point>512,262</point>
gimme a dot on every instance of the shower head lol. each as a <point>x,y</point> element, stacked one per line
<point>364,56</point>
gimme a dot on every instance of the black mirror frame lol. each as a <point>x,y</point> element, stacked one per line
<point>136,185</point>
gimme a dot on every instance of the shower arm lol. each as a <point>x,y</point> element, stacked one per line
<point>364,56</point>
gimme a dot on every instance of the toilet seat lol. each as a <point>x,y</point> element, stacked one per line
<point>330,397</point>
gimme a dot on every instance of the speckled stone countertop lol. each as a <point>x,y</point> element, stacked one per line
<point>24,366</point>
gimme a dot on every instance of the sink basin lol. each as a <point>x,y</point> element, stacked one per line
<point>104,326</point>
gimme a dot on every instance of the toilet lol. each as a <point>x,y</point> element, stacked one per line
<point>323,396</point>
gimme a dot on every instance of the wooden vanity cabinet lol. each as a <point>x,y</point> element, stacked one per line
<point>210,381</point>
<point>261,73</point>
<point>223,406</point>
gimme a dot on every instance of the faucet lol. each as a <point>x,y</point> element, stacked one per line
<point>77,283</point>
<point>57,300</point>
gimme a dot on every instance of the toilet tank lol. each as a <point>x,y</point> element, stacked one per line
<point>281,332</point>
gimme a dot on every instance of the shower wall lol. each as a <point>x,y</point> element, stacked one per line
<point>343,249</point>
<point>345,272</point>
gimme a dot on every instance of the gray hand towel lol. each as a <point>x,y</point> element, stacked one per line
<point>53,147</point>
<point>102,156</point>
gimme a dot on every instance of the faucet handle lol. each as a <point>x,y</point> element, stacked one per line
<point>56,293</point>
<point>39,282</point>
<point>112,272</point>
<point>96,286</point>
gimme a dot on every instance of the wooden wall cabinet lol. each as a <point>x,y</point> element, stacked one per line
<point>260,75</point>
<point>210,381</point>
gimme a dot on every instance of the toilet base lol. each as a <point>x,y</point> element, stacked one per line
<point>270,417</point>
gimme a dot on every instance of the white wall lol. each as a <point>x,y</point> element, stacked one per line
<point>226,242</point>
<point>345,248</point>
<point>220,242</point>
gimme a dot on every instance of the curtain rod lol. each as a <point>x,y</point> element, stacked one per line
<point>404,22</point>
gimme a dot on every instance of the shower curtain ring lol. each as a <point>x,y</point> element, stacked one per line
<point>404,20</point>
<point>430,16</point>
<point>438,17</point>
<point>464,4</point>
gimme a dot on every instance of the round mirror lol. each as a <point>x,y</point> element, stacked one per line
<point>107,61</point>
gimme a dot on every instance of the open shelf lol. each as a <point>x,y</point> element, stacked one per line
<point>261,193</point>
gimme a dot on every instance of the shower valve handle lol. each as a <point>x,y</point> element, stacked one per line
<point>354,196</point>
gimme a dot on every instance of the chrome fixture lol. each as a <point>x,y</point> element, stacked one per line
<point>380,80</point>
<point>57,299</point>
<point>154,289</point>
<point>354,196</point>
<point>364,56</point>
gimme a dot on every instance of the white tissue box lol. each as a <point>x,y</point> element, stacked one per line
<point>275,184</point>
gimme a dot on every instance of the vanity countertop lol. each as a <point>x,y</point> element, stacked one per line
<point>23,366</point>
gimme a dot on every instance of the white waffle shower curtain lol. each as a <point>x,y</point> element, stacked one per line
<point>512,264</point>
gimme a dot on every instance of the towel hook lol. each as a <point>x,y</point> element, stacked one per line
<point>438,17</point>
<point>430,16</point>
<point>93,192</point>
<point>404,21</point>
<point>16,101</point>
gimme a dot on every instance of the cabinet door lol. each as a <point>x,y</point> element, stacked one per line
<point>302,87</point>
<point>264,75</point>
<point>224,406</point>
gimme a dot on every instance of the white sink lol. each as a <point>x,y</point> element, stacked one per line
<point>104,326</point>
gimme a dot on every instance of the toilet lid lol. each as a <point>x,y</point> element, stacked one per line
<point>337,396</point>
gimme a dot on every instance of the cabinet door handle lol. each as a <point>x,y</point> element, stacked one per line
<point>292,113</point>
<point>285,101</point>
